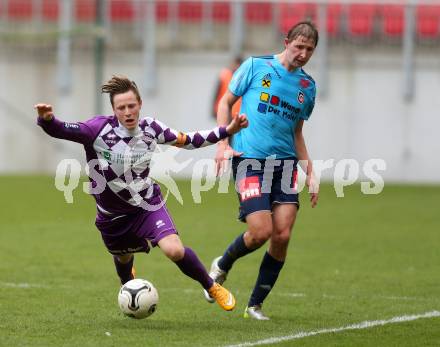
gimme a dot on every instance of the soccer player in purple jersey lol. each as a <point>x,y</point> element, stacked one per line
<point>131,214</point>
<point>277,97</point>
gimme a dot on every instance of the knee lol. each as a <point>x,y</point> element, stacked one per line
<point>281,237</point>
<point>124,259</point>
<point>257,238</point>
<point>175,253</point>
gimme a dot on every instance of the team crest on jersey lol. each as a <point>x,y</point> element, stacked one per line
<point>304,83</point>
<point>265,82</point>
<point>73,126</point>
<point>300,97</point>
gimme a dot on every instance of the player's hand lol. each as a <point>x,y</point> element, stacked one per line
<point>237,123</point>
<point>224,153</point>
<point>313,190</point>
<point>45,111</point>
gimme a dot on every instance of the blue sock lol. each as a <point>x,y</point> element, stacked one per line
<point>269,270</point>
<point>124,270</point>
<point>191,266</point>
<point>236,249</point>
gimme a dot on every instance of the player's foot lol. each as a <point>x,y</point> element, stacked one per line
<point>255,313</point>
<point>223,297</point>
<point>218,275</point>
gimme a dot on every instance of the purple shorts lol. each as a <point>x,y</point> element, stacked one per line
<point>133,233</point>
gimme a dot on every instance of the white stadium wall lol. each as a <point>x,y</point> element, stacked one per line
<point>363,116</point>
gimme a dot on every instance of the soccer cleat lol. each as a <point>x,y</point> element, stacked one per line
<point>218,275</point>
<point>223,297</point>
<point>255,313</point>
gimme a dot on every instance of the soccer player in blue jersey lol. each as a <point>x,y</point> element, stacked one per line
<point>277,97</point>
<point>131,214</point>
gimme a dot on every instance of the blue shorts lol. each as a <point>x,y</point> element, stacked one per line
<point>262,183</point>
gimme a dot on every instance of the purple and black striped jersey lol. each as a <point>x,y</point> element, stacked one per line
<point>122,157</point>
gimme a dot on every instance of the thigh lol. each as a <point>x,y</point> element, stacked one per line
<point>284,184</point>
<point>283,217</point>
<point>172,247</point>
<point>156,225</point>
<point>249,191</point>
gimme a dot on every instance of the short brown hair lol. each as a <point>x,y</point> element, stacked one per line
<point>119,85</point>
<point>306,29</point>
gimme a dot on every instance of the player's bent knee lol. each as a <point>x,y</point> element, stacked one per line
<point>175,253</point>
<point>124,259</point>
<point>259,238</point>
<point>281,237</point>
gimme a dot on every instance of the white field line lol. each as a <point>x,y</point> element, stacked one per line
<point>357,326</point>
<point>22,285</point>
<point>303,295</point>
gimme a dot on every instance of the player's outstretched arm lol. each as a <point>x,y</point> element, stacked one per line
<point>196,139</point>
<point>76,132</point>
<point>45,111</point>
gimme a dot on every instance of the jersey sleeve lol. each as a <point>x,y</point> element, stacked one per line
<point>310,105</point>
<point>191,140</point>
<point>80,132</point>
<point>242,78</point>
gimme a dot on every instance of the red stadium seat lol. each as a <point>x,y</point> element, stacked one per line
<point>258,12</point>
<point>190,11</point>
<point>393,20</point>
<point>85,10</point>
<point>334,19</point>
<point>292,13</point>
<point>50,10</point>
<point>19,9</point>
<point>162,11</point>
<point>121,10</point>
<point>221,11</point>
<point>360,19</point>
<point>428,21</point>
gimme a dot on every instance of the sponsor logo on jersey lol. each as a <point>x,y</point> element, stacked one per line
<point>249,188</point>
<point>300,97</point>
<point>274,69</point>
<point>274,104</point>
<point>265,82</point>
<point>73,126</point>
<point>107,156</point>
<point>160,223</point>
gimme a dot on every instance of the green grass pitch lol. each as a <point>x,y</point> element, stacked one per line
<point>352,259</point>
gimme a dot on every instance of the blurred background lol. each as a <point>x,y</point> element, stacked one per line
<point>377,68</point>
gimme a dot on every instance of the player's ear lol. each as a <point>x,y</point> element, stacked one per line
<point>286,42</point>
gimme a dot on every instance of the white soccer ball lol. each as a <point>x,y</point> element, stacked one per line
<point>138,298</point>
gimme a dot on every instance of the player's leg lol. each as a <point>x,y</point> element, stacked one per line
<point>259,231</point>
<point>124,267</point>
<point>283,218</point>
<point>186,259</point>
<point>188,262</point>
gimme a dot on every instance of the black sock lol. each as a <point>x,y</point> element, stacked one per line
<point>269,271</point>
<point>124,270</point>
<point>236,249</point>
